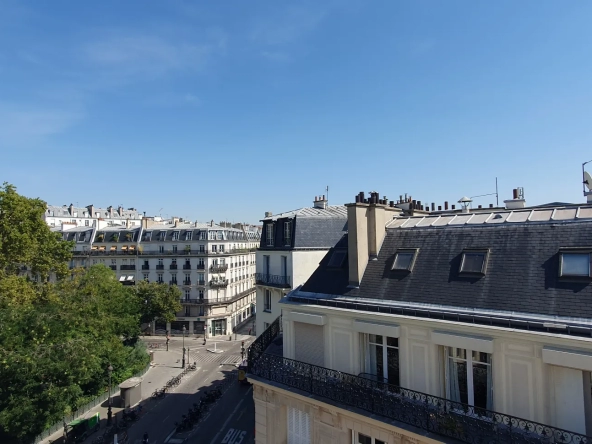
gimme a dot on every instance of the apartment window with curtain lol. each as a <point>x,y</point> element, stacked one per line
<point>382,359</point>
<point>468,377</point>
<point>269,234</point>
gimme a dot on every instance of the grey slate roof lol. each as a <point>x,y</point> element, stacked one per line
<point>84,212</point>
<point>316,232</point>
<point>521,276</point>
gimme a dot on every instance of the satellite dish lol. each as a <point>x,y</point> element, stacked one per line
<point>588,180</point>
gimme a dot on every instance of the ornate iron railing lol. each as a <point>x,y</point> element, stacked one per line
<point>432,413</point>
<point>259,345</point>
<point>272,279</point>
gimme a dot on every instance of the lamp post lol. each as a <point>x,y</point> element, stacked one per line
<point>183,362</point>
<point>109,413</point>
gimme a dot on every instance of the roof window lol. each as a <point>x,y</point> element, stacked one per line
<point>404,260</point>
<point>337,258</point>
<point>574,264</point>
<point>473,261</point>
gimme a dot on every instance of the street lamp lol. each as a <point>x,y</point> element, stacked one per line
<point>109,413</point>
<point>183,362</point>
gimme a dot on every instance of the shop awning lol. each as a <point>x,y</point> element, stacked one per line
<point>132,247</point>
<point>94,248</point>
<point>124,248</point>
<point>121,278</point>
<point>113,248</point>
<point>130,278</point>
<point>102,248</point>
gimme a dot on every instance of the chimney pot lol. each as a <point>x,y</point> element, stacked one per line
<point>453,206</point>
<point>515,193</point>
<point>358,198</point>
<point>490,205</point>
<point>433,206</point>
<point>446,205</point>
<point>479,206</point>
<point>439,207</point>
<point>391,203</point>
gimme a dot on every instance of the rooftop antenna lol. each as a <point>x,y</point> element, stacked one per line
<point>327,193</point>
<point>491,194</point>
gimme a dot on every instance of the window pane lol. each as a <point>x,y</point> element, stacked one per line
<point>473,262</point>
<point>482,385</point>
<point>403,261</point>
<point>481,357</point>
<point>376,362</point>
<point>363,439</point>
<point>392,355</point>
<point>392,342</point>
<point>575,264</point>
<point>376,339</point>
<point>457,381</point>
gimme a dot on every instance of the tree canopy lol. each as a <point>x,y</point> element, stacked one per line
<point>59,335</point>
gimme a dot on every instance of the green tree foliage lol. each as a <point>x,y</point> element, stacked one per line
<point>157,301</point>
<point>59,335</point>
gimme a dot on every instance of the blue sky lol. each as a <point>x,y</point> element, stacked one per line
<point>225,110</point>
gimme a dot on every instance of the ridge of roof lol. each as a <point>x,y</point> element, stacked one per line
<point>331,211</point>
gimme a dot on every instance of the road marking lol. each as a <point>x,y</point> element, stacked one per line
<point>170,435</point>
<point>165,419</point>
<point>234,436</point>
<point>230,417</point>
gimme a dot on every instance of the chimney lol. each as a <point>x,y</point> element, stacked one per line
<point>367,228</point>
<point>71,209</point>
<point>120,210</point>
<point>110,210</point>
<point>268,214</point>
<point>320,202</point>
<point>517,200</point>
<point>91,210</point>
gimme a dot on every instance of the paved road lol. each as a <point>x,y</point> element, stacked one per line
<point>212,368</point>
<point>232,421</point>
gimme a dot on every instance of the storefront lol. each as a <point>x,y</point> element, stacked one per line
<point>218,327</point>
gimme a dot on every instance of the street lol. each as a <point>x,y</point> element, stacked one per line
<point>159,420</point>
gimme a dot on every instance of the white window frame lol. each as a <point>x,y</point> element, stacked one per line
<point>287,233</point>
<point>267,300</point>
<point>146,276</point>
<point>269,234</point>
<point>385,347</point>
<point>372,439</point>
<point>175,235</point>
<point>470,382</point>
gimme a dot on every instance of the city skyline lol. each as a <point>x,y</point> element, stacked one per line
<point>226,111</point>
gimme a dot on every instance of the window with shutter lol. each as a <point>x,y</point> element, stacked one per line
<point>298,426</point>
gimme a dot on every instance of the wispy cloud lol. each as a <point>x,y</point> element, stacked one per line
<point>21,125</point>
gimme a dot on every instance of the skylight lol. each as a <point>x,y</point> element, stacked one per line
<point>474,262</point>
<point>404,260</point>
<point>337,258</point>
<point>575,265</point>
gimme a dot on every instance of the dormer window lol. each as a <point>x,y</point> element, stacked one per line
<point>162,235</point>
<point>404,260</point>
<point>188,235</point>
<point>287,233</point>
<point>574,264</point>
<point>269,234</point>
<point>175,235</point>
<point>473,262</point>
<point>337,259</point>
<point>148,236</point>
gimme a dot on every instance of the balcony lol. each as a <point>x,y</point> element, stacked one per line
<point>159,267</point>
<point>201,283</point>
<point>186,266</point>
<point>113,267</point>
<point>201,266</point>
<point>145,267</point>
<point>221,283</point>
<point>216,268</point>
<point>173,283</point>
<point>191,301</point>
<point>273,280</point>
<point>386,402</point>
<point>127,267</point>
<point>187,282</point>
<point>173,267</point>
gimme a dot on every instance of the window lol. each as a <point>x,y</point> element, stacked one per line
<point>269,234</point>
<point>365,439</point>
<point>86,222</point>
<point>267,301</point>
<point>162,235</point>
<point>574,264</point>
<point>175,235</point>
<point>148,235</point>
<point>265,326</point>
<point>173,278</point>
<point>188,235</point>
<point>160,262</point>
<point>187,310</point>
<point>214,248</point>
<point>287,233</point>
<point>337,258</point>
<point>161,248</point>
<point>114,261</point>
<point>145,276</point>
<point>160,280</point>
<point>187,294</point>
<point>202,249</point>
<point>201,294</point>
<point>298,426</point>
<point>468,377</point>
<point>174,249</point>
<point>404,260</point>
<point>474,262</point>
<point>382,361</point>
<point>221,248</point>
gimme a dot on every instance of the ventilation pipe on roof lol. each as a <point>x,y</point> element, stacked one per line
<point>268,214</point>
<point>320,202</point>
<point>517,200</point>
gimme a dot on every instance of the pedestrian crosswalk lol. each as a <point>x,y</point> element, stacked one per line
<point>219,358</point>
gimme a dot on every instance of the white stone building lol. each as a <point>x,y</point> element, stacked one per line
<point>442,326</point>
<point>90,216</point>
<point>292,245</point>
<point>213,266</point>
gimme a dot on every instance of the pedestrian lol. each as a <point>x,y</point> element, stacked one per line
<point>249,332</point>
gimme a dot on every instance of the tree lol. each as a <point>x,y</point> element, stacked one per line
<point>157,301</point>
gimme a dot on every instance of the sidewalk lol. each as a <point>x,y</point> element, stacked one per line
<point>164,367</point>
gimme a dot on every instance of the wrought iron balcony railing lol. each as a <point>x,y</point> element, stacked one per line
<point>201,283</point>
<point>145,267</point>
<point>219,283</point>
<point>127,267</point>
<point>201,266</point>
<point>187,282</point>
<point>113,267</point>
<point>173,267</point>
<point>219,268</point>
<point>273,280</point>
<point>191,301</point>
<point>186,266</point>
<point>431,413</point>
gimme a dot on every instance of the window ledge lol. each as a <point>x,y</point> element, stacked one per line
<point>266,311</point>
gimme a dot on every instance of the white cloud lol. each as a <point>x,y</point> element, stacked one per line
<point>23,125</point>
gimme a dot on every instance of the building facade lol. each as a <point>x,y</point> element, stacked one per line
<point>90,216</point>
<point>469,325</point>
<point>213,266</point>
<point>291,247</point>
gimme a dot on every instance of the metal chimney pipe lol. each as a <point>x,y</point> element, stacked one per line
<point>490,205</point>
<point>446,205</point>
<point>453,206</point>
<point>439,207</point>
<point>433,206</point>
<point>515,193</point>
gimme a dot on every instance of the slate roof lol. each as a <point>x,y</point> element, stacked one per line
<point>521,275</point>
<point>316,232</point>
<point>84,212</point>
